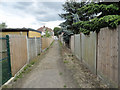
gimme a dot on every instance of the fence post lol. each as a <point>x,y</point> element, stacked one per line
<point>40,44</point>
<point>119,57</point>
<point>8,53</point>
<point>36,45</point>
<point>27,49</point>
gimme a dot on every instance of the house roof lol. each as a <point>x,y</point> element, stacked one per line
<point>18,30</point>
<point>42,29</point>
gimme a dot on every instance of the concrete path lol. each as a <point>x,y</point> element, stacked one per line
<point>49,72</point>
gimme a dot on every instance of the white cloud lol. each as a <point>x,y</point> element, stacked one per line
<point>30,14</point>
<point>53,24</point>
<point>33,0</point>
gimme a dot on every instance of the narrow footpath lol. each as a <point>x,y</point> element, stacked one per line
<point>48,73</point>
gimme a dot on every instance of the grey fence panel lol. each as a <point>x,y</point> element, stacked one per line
<point>108,55</point>
<point>78,46</point>
<point>89,50</point>
<point>34,47</point>
<point>38,43</point>
<point>31,48</point>
<point>72,44</point>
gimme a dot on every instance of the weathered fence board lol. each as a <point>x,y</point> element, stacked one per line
<point>89,51</point>
<point>46,42</point>
<point>18,51</point>
<point>72,44</point>
<point>34,47</point>
<point>31,49</point>
<point>108,55</point>
<point>77,47</point>
<point>119,56</point>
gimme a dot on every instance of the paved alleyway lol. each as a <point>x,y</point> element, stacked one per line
<point>48,73</point>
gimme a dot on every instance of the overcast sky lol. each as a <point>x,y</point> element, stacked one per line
<point>31,14</point>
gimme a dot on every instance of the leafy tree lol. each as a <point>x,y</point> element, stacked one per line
<point>56,29</point>
<point>99,15</point>
<point>70,7</point>
<point>47,34</point>
<point>3,25</point>
<point>85,17</point>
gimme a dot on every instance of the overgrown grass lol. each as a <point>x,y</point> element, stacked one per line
<point>65,61</point>
<point>60,43</point>
<point>60,73</point>
<point>52,43</point>
<point>65,86</point>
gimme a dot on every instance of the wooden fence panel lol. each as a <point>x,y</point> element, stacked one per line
<point>31,49</point>
<point>78,46</point>
<point>89,51</point>
<point>43,43</point>
<point>46,42</point>
<point>38,43</point>
<point>108,55</point>
<point>18,52</point>
<point>34,47</point>
<point>72,44</point>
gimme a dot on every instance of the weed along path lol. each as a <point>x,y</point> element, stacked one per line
<point>49,72</point>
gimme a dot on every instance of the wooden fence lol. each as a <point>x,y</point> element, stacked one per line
<point>100,53</point>
<point>34,47</point>
<point>72,44</point>
<point>89,51</point>
<point>77,46</point>
<point>46,42</point>
<point>18,52</point>
<point>22,51</point>
<point>107,56</point>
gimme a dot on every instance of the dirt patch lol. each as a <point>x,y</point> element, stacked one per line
<point>80,73</point>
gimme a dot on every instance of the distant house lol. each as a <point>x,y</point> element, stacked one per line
<point>30,33</point>
<point>44,29</point>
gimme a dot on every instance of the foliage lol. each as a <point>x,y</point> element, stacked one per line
<point>47,34</point>
<point>56,29</point>
<point>92,17</point>
<point>71,9</point>
<point>3,25</point>
<point>91,10</point>
<point>111,21</point>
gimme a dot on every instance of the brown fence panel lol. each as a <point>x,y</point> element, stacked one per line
<point>18,52</point>
<point>72,44</point>
<point>46,42</point>
<point>43,43</point>
<point>89,51</point>
<point>108,55</point>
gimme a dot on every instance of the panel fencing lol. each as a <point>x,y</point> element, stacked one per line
<point>89,51</point>
<point>108,55</point>
<point>72,44</point>
<point>100,53</point>
<point>34,47</point>
<point>78,46</point>
<point>5,68</point>
<point>18,52</point>
<point>46,42</point>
